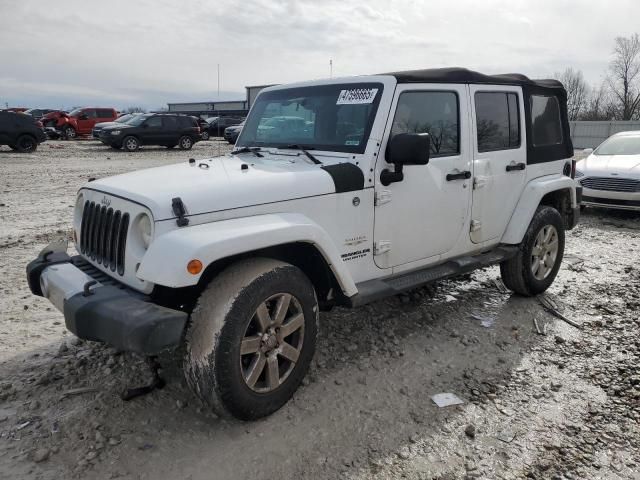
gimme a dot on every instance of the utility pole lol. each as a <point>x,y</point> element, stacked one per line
<point>330,68</point>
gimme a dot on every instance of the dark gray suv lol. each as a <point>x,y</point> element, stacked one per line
<point>20,132</point>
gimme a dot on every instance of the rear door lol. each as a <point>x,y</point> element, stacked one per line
<point>499,158</point>
<point>171,129</point>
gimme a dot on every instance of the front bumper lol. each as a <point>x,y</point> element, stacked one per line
<point>98,308</point>
<point>611,199</point>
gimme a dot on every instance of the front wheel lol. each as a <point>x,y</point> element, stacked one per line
<point>246,356</point>
<point>538,260</point>
<point>185,143</point>
<point>131,144</point>
<point>69,133</point>
<point>205,135</point>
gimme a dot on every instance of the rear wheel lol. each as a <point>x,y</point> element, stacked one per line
<point>131,144</point>
<point>536,265</point>
<point>185,142</point>
<point>205,135</point>
<point>26,144</point>
<point>69,133</point>
<point>247,356</point>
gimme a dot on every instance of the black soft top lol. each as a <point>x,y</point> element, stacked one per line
<point>548,88</point>
<point>464,75</point>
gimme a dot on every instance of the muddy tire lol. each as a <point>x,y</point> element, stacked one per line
<point>251,338</point>
<point>536,265</point>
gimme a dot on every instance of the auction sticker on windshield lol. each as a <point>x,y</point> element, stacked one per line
<point>357,96</point>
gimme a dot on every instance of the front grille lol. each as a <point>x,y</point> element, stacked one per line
<point>611,184</point>
<point>103,235</point>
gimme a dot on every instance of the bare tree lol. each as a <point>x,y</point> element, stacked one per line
<point>134,109</point>
<point>577,91</point>
<point>624,76</point>
<point>599,105</point>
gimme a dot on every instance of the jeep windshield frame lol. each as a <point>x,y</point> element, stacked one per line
<point>333,117</point>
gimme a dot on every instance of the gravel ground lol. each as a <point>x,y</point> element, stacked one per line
<point>563,405</point>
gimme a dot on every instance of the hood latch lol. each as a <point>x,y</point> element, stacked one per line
<point>179,210</point>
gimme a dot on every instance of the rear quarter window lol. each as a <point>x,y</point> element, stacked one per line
<point>546,125</point>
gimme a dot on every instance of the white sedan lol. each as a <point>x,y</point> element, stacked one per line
<point>610,175</point>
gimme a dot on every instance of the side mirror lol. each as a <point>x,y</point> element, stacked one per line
<point>405,149</point>
<point>587,151</point>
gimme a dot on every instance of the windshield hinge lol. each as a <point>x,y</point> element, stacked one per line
<point>179,210</point>
<point>382,197</point>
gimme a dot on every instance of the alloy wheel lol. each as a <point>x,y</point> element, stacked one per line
<point>544,252</point>
<point>272,343</point>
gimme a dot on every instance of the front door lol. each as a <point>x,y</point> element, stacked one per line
<point>499,158</point>
<point>86,120</point>
<point>152,133</point>
<point>423,215</point>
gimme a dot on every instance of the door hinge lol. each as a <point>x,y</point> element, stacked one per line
<point>382,197</point>
<point>475,225</point>
<point>479,182</point>
<point>381,246</point>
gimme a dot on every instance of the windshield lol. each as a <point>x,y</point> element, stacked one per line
<point>325,117</point>
<point>124,118</point>
<point>76,112</point>
<point>138,119</point>
<point>619,146</point>
<point>211,119</point>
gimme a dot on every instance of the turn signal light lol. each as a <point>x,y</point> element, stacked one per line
<point>194,267</point>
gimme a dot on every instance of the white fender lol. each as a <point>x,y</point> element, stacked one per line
<point>165,263</point>
<point>529,201</point>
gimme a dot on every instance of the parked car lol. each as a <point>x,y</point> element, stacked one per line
<point>97,128</point>
<point>231,259</point>
<point>216,125</point>
<point>38,113</point>
<point>20,132</point>
<point>610,175</point>
<point>16,109</point>
<point>231,133</point>
<point>164,129</point>
<point>82,120</point>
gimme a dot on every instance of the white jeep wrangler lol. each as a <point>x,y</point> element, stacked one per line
<point>338,192</point>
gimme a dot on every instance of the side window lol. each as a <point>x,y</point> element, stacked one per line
<point>104,113</point>
<point>90,113</point>
<point>435,113</point>
<point>497,121</point>
<point>154,122</point>
<point>545,119</point>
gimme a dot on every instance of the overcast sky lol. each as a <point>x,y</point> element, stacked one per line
<point>150,52</point>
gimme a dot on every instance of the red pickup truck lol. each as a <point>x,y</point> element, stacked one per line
<point>82,120</point>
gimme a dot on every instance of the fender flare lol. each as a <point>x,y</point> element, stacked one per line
<point>165,263</point>
<point>529,201</point>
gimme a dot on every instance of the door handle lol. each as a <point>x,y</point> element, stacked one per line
<point>517,166</point>
<point>458,176</point>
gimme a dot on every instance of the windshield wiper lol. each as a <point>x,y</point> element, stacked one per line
<point>303,150</point>
<point>254,150</point>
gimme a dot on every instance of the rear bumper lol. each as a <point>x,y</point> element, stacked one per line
<point>105,310</point>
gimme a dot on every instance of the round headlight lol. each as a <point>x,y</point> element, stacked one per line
<point>144,226</point>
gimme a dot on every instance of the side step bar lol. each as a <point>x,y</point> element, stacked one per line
<point>373,290</point>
